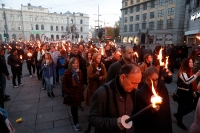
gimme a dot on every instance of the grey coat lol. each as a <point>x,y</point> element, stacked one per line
<point>105,119</point>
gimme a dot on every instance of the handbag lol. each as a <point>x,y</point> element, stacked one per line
<point>175,96</point>
<point>68,99</point>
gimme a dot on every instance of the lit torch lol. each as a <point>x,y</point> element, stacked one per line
<point>20,57</point>
<point>160,57</point>
<point>155,99</point>
<point>136,57</point>
<point>198,37</point>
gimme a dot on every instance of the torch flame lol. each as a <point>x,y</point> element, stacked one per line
<point>135,53</point>
<point>20,56</point>
<point>155,99</point>
<point>118,53</point>
<point>198,37</point>
<point>166,64</point>
<point>160,57</point>
<point>63,47</point>
<point>29,54</point>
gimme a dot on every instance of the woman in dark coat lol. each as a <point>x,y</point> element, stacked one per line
<point>73,85</point>
<point>153,121</point>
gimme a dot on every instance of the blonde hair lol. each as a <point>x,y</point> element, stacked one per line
<point>71,61</point>
<point>94,57</point>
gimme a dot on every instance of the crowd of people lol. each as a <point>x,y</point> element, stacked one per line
<point>112,80</point>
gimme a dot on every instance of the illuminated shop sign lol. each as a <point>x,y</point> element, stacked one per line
<point>195,16</point>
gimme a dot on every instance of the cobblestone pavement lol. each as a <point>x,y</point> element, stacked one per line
<point>42,114</point>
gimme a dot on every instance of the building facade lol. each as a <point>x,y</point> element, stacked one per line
<point>32,22</point>
<point>152,21</point>
<point>192,22</point>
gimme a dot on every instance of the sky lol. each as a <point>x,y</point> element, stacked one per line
<point>109,10</point>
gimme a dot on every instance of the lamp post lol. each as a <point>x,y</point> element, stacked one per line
<point>5,26</point>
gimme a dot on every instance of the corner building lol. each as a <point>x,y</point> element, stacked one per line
<point>152,21</point>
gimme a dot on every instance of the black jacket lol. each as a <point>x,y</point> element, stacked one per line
<point>114,70</point>
<point>4,66</point>
<point>102,118</point>
<point>152,121</point>
<point>13,60</point>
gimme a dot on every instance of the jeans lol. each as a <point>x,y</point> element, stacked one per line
<point>74,112</point>
<point>49,84</point>
<point>16,72</point>
<point>3,84</point>
<point>61,76</point>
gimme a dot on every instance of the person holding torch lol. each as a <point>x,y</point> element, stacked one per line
<point>156,120</point>
<point>115,99</point>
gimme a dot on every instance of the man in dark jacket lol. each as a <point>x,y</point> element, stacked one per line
<point>20,53</point>
<point>14,62</point>
<point>127,58</point>
<point>5,73</point>
<point>115,99</point>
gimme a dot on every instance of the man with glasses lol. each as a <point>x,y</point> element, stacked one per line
<point>115,99</point>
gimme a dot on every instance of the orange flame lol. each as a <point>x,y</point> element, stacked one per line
<point>135,53</point>
<point>166,64</point>
<point>160,57</point>
<point>63,47</point>
<point>29,54</point>
<point>20,56</point>
<point>198,37</point>
<point>155,99</point>
<point>119,53</point>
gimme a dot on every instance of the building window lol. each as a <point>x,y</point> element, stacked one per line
<point>151,25</point>
<point>136,27</point>
<point>56,28</point>
<point>131,18</point>
<point>131,27</point>
<point>51,28</point>
<point>153,4</point>
<point>35,18</point>
<point>161,2</point>
<point>171,11</point>
<point>144,17</point>
<point>36,27</point>
<point>143,26</point>
<point>81,29</point>
<point>160,24</point>
<point>170,23</point>
<point>19,17</point>
<point>138,1</point>
<point>81,22</point>
<point>62,28</point>
<point>42,27</point>
<point>125,12</point>
<point>0,37</point>
<point>131,2</point>
<point>81,36</point>
<point>171,1</point>
<point>145,6</point>
<point>151,14</point>
<point>31,18</point>
<point>72,21</point>
<point>126,3</point>
<point>125,28</point>
<point>137,8</point>
<point>198,3</point>
<point>12,26</point>
<point>160,13</point>
<point>131,10</point>
<point>137,17</point>
<point>31,27</point>
<point>125,19</point>
<point>19,27</point>
<point>11,17</point>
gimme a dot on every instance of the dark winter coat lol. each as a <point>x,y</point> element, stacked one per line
<point>75,91</point>
<point>152,121</point>
<point>105,119</point>
<point>114,70</point>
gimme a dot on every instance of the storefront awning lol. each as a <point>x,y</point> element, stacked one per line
<point>36,32</point>
<point>191,32</point>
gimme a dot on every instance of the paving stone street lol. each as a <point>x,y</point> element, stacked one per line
<point>42,114</point>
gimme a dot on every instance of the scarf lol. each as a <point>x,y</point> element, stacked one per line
<point>75,75</point>
<point>194,83</point>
